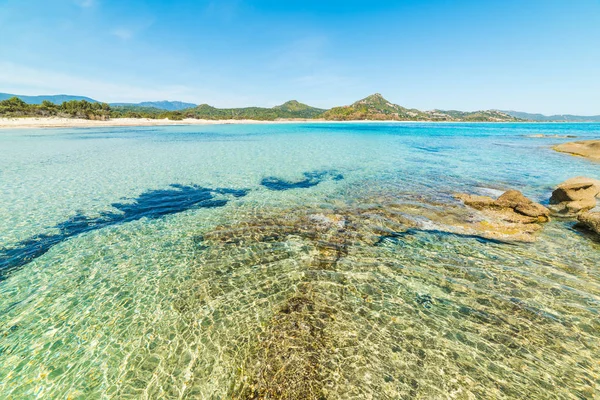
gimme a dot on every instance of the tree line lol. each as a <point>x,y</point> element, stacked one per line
<point>15,107</point>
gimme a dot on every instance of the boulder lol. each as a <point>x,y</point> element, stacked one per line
<point>512,216</point>
<point>574,196</point>
<point>590,220</point>
<point>522,205</point>
<point>512,206</point>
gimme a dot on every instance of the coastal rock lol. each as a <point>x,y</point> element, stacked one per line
<point>574,196</point>
<point>590,220</point>
<point>511,215</point>
<point>589,149</point>
<point>512,206</point>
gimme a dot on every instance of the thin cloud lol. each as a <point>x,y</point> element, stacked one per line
<point>123,33</point>
<point>85,3</point>
<point>21,79</point>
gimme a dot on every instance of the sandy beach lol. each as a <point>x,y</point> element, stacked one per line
<point>16,123</point>
<point>52,122</point>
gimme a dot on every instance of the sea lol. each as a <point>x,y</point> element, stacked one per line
<point>291,261</point>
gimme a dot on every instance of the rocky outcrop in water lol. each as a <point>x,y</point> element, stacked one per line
<point>590,221</point>
<point>589,149</point>
<point>574,196</point>
<point>512,214</point>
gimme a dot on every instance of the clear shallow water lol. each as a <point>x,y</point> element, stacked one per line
<point>234,290</point>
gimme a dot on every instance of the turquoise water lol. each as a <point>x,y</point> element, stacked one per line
<point>162,263</point>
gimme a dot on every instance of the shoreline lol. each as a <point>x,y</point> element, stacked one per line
<point>51,122</point>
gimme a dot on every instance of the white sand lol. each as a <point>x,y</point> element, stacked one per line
<point>55,122</point>
<point>13,123</point>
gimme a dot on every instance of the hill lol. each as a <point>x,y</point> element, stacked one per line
<point>481,116</point>
<point>289,110</point>
<point>377,108</point>
<point>161,105</point>
<point>299,109</point>
<point>553,118</point>
<point>55,98</point>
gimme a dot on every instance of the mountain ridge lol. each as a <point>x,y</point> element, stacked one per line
<point>166,105</point>
<point>53,98</point>
<point>553,118</point>
<point>372,107</point>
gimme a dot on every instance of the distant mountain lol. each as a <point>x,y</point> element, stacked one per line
<point>376,107</point>
<point>56,98</point>
<point>481,116</point>
<point>553,118</point>
<point>289,110</point>
<point>161,105</point>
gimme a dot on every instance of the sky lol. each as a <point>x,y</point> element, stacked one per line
<point>534,55</point>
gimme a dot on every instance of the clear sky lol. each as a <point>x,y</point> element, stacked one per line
<point>527,55</point>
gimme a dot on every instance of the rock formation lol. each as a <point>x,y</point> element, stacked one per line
<point>590,221</point>
<point>511,215</point>
<point>574,196</point>
<point>589,149</point>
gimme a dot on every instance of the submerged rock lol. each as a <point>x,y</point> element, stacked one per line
<point>590,221</point>
<point>512,215</point>
<point>574,196</point>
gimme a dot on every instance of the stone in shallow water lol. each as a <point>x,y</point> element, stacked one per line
<point>574,196</point>
<point>512,215</point>
<point>591,221</point>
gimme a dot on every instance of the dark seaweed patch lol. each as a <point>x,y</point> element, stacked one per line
<point>152,204</point>
<point>310,179</point>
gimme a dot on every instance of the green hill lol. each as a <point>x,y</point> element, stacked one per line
<point>300,110</point>
<point>377,108</point>
<point>480,116</point>
<point>290,110</point>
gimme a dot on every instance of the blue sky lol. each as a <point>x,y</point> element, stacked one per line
<point>532,55</point>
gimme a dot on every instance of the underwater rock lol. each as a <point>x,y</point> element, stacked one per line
<point>574,196</point>
<point>310,179</point>
<point>590,221</point>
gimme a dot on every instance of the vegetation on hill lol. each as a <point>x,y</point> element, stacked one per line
<point>300,110</point>
<point>15,107</point>
<point>480,116</point>
<point>553,118</point>
<point>290,110</point>
<point>374,107</point>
